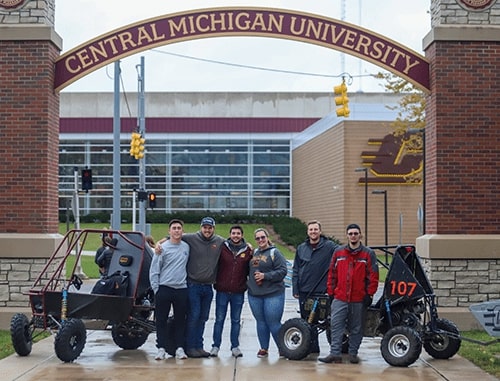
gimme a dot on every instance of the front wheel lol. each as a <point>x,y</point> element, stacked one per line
<point>440,345</point>
<point>401,346</point>
<point>70,340</point>
<point>21,333</point>
<point>295,339</point>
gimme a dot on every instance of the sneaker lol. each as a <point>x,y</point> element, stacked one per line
<point>262,353</point>
<point>161,354</point>
<point>214,352</point>
<point>353,359</point>
<point>331,358</point>
<point>180,354</point>
<point>236,352</point>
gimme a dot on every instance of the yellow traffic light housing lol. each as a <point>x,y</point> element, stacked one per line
<point>341,100</point>
<point>137,145</point>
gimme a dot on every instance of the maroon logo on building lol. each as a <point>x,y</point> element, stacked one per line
<point>476,5</point>
<point>10,4</point>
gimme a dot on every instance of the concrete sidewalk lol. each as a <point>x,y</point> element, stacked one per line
<point>101,359</point>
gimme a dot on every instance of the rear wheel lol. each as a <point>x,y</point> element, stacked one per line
<point>440,345</point>
<point>21,330</point>
<point>70,340</point>
<point>128,335</point>
<point>401,346</point>
<point>295,339</point>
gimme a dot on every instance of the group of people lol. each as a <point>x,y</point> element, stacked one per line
<point>187,267</point>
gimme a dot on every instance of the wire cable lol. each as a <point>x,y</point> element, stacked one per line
<point>260,67</point>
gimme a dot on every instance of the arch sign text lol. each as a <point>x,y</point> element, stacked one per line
<point>248,21</point>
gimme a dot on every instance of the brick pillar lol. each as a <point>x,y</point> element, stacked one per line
<point>462,150</point>
<point>29,127</point>
<point>29,122</point>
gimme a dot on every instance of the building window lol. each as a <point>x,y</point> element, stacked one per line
<point>230,176</point>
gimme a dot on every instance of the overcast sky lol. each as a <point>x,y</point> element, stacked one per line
<point>77,21</point>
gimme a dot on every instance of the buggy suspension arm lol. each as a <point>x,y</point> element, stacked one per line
<point>483,343</point>
<point>148,324</point>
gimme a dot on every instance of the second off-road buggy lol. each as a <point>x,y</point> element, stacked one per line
<point>65,305</point>
<point>405,316</point>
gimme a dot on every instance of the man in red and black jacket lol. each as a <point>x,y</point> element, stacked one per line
<point>352,281</point>
<point>231,284</point>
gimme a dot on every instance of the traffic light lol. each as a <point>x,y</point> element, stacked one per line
<point>152,200</point>
<point>137,145</point>
<point>142,195</point>
<point>341,100</point>
<point>86,179</point>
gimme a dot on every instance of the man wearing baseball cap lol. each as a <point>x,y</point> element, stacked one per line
<point>205,247</point>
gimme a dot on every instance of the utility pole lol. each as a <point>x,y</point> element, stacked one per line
<point>116,217</point>
<point>141,122</point>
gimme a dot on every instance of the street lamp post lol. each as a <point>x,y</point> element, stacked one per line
<point>421,131</point>
<point>386,232</point>
<point>365,170</point>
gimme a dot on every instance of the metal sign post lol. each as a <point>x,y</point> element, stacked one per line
<point>76,213</point>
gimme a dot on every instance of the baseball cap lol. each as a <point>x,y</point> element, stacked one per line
<point>207,221</point>
<point>353,226</point>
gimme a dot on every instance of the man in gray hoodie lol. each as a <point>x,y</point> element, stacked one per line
<point>205,247</point>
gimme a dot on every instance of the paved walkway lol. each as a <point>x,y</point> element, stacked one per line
<point>101,359</point>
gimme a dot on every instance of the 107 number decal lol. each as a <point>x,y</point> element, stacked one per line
<point>402,288</point>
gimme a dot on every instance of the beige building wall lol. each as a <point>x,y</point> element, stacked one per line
<point>325,186</point>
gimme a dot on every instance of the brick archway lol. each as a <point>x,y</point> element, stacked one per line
<point>462,135</point>
<point>236,22</point>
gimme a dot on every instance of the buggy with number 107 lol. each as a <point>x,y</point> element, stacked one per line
<point>65,305</point>
<point>405,316</point>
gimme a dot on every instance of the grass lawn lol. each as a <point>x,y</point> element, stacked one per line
<point>485,357</point>
<point>158,231</point>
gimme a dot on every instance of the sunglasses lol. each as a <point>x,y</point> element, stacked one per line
<point>260,238</point>
<point>353,233</point>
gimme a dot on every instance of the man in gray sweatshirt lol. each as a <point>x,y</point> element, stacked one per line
<point>168,278</point>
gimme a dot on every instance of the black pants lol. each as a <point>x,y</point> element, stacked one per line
<point>165,298</point>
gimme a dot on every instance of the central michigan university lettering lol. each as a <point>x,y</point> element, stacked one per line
<point>314,29</point>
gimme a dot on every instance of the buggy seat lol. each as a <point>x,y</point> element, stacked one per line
<point>132,255</point>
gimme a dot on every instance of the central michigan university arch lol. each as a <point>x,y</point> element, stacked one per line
<point>256,22</point>
<point>462,209</point>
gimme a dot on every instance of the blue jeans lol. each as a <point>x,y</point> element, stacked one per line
<point>199,299</point>
<point>346,314</point>
<point>267,311</point>
<point>222,300</point>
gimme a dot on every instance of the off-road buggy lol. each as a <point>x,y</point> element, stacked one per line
<point>405,315</point>
<point>65,305</point>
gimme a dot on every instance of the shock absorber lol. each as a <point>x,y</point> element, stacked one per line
<point>64,304</point>
<point>312,314</point>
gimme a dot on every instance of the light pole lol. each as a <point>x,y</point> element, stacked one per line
<point>386,235</point>
<point>421,131</point>
<point>365,170</point>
